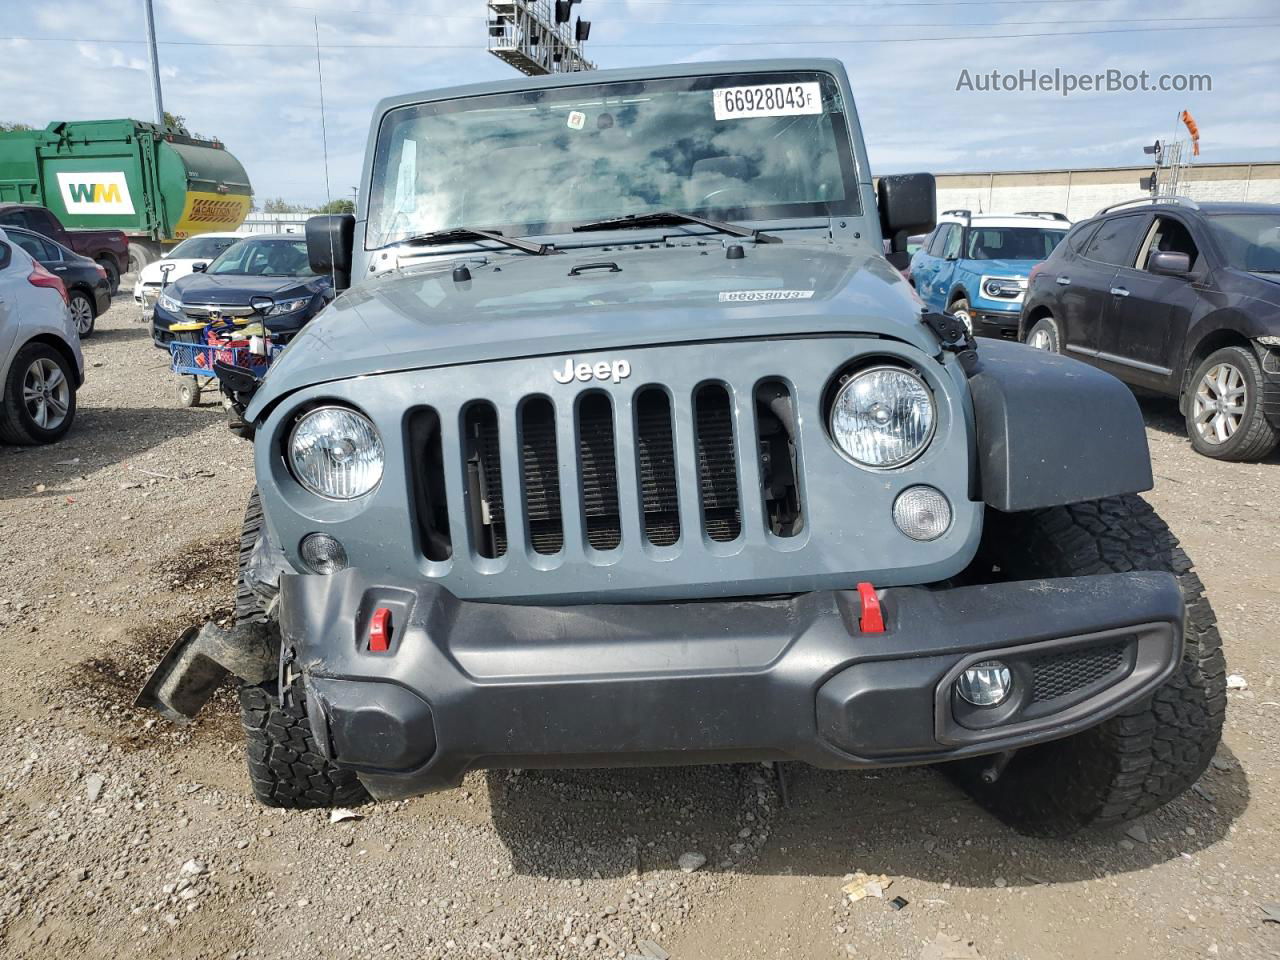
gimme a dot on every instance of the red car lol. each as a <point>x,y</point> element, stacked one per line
<point>108,248</point>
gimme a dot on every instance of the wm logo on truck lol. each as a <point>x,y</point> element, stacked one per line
<point>95,193</point>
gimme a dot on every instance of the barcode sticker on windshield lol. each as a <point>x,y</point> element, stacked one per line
<point>770,100</point>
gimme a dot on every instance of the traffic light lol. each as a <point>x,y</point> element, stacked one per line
<point>582,30</point>
<point>1156,149</point>
<point>1148,184</point>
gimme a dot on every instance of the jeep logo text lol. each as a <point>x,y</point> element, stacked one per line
<point>617,371</point>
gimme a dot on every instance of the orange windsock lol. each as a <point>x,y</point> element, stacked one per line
<point>1192,129</point>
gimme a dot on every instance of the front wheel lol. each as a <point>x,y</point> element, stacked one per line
<point>1224,415</point>
<point>188,390</point>
<point>960,310</point>
<point>1149,753</point>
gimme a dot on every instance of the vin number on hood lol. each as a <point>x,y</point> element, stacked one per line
<point>771,100</point>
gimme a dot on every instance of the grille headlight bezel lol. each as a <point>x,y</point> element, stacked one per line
<point>844,402</point>
<point>353,445</point>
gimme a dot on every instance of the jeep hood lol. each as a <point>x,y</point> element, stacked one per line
<point>595,299</point>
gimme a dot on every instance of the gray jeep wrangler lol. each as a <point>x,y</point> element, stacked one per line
<point>626,444</point>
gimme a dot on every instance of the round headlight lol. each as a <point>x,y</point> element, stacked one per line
<point>336,453</point>
<point>994,288</point>
<point>883,417</point>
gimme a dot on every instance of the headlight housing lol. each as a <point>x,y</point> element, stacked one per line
<point>1000,288</point>
<point>336,453</point>
<point>169,303</point>
<point>883,417</point>
<point>286,306</point>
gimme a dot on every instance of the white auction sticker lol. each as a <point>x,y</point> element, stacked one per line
<point>760,296</point>
<point>577,120</point>
<point>769,100</point>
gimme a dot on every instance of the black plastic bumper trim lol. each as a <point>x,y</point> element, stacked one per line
<point>468,685</point>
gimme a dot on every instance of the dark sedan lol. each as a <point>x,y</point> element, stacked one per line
<point>88,286</point>
<point>272,265</point>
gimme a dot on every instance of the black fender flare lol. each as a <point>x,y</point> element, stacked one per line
<point>1052,430</point>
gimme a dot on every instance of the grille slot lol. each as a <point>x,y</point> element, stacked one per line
<point>429,485</point>
<point>656,464</point>
<point>598,468</point>
<point>486,514</point>
<point>540,474</point>
<point>778,446</point>
<point>717,463</point>
<point>1060,674</point>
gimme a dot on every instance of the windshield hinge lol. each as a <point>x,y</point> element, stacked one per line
<point>954,337</point>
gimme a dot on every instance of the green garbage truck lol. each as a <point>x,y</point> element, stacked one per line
<point>155,184</point>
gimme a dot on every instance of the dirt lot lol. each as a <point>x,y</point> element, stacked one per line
<point>121,835</point>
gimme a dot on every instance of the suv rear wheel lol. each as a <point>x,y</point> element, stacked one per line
<point>286,766</point>
<point>1149,753</point>
<point>1224,411</point>
<point>81,312</point>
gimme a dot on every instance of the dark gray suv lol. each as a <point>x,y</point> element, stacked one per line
<point>625,444</point>
<point>1176,297</point>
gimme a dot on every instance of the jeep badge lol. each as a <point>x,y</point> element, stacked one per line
<point>617,371</point>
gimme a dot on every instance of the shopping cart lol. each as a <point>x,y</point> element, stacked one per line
<point>197,348</point>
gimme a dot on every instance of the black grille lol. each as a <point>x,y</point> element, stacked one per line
<point>656,463</point>
<point>485,508</point>
<point>540,471</point>
<point>598,464</point>
<point>717,464</point>
<point>1060,674</point>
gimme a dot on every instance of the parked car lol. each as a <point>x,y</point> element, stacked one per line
<point>263,265</point>
<point>975,267</point>
<point>107,248</point>
<point>648,455</point>
<point>41,366</point>
<point>1180,298</point>
<point>178,263</point>
<point>88,290</point>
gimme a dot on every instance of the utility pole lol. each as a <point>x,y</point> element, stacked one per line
<point>535,37</point>
<point>154,59</point>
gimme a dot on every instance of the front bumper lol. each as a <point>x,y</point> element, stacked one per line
<point>995,319</point>
<point>282,329</point>
<point>470,685</point>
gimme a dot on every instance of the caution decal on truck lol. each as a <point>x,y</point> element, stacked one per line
<point>206,212</point>
<point>95,193</point>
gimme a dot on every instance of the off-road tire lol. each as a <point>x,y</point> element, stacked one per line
<point>1049,327</point>
<point>286,767</point>
<point>1149,753</point>
<point>1255,437</point>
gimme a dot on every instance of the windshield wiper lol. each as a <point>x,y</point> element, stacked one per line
<point>675,216</point>
<point>456,234</point>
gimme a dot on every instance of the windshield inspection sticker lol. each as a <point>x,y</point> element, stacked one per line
<point>760,296</point>
<point>771,100</point>
<point>577,120</point>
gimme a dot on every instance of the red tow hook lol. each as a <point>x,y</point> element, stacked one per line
<point>380,631</point>
<point>872,620</point>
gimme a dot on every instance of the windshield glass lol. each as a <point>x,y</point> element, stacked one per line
<point>760,146</point>
<point>264,258</point>
<point>200,248</point>
<point>1249,241</point>
<point>1011,243</point>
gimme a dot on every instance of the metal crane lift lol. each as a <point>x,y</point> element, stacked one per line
<point>534,36</point>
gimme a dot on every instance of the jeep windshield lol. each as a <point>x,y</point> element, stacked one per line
<point>542,161</point>
<point>1249,241</point>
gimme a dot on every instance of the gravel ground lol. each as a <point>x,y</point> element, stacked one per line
<point>121,834</point>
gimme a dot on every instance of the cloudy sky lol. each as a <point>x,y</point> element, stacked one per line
<point>245,71</point>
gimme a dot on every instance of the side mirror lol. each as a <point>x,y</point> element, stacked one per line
<point>908,205</point>
<point>330,240</point>
<point>261,304</point>
<point>199,267</point>
<point>1169,264</point>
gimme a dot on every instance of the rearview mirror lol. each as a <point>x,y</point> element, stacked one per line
<point>1167,263</point>
<point>908,205</point>
<point>330,239</point>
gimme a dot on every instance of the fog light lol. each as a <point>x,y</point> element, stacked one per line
<point>322,553</point>
<point>985,684</point>
<point>922,513</point>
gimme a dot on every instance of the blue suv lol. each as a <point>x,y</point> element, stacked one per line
<point>976,267</point>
